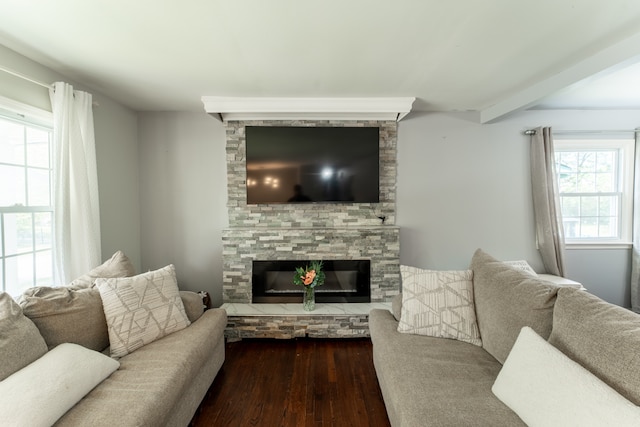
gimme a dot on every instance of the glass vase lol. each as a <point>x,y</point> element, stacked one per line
<point>309,299</point>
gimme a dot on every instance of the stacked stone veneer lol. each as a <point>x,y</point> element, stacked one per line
<point>310,231</point>
<point>287,327</point>
<point>378,244</point>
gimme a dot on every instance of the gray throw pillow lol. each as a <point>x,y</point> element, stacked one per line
<point>193,305</point>
<point>65,315</point>
<point>74,313</point>
<point>118,265</point>
<point>396,306</point>
<point>20,341</point>
<point>602,337</point>
<point>507,299</point>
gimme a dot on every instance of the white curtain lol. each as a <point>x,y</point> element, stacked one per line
<point>546,202</point>
<point>76,208</point>
<point>635,250</point>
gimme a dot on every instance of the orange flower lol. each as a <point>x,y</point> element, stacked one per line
<point>308,278</point>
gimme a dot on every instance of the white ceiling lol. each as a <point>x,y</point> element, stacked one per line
<point>494,56</point>
<point>613,88</point>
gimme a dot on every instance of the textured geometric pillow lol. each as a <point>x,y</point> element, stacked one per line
<point>20,340</point>
<point>438,304</point>
<point>141,309</point>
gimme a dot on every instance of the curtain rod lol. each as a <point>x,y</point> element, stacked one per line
<point>29,79</point>
<point>24,77</point>
<point>585,132</point>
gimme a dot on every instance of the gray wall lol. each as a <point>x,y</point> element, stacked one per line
<point>604,272</point>
<point>116,152</point>
<point>463,186</point>
<point>183,195</point>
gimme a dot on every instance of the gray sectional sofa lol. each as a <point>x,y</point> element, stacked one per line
<point>159,384</point>
<point>435,381</point>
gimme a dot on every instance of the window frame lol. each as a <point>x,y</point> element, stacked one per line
<point>33,118</point>
<point>625,177</point>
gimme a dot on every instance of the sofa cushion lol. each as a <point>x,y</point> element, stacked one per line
<point>438,304</point>
<point>64,315</point>
<point>435,381</point>
<point>507,299</point>
<point>40,393</point>
<point>602,337</point>
<point>20,340</point>
<point>141,309</point>
<point>537,375</point>
<point>118,265</point>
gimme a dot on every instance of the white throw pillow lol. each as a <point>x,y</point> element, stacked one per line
<point>141,309</point>
<point>546,388</point>
<point>41,392</point>
<point>438,304</point>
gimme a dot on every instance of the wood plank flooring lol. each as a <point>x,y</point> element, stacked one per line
<point>301,382</point>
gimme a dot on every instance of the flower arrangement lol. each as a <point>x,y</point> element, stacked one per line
<point>309,276</point>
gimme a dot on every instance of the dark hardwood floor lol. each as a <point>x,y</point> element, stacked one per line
<point>301,382</point>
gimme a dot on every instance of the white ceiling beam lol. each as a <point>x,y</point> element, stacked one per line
<point>242,108</point>
<point>615,56</point>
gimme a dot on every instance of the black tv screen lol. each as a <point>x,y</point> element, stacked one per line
<point>312,164</point>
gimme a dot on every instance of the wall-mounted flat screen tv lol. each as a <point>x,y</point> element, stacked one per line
<point>287,164</point>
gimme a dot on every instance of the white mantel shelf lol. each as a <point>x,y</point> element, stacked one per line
<point>343,227</point>
<point>328,309</point>
<point>245,108</point>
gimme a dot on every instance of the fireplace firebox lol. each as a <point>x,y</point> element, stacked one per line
<point>345,281</point>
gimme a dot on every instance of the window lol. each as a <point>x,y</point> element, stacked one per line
<point>26,206</point>
<point>595,179</point>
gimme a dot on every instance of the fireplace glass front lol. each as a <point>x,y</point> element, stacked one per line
<point>345,281</point>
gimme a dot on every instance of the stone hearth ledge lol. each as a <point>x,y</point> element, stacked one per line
<point>322,309</point>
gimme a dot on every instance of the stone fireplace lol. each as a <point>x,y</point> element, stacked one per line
<point>337,231</point>
<point>302,232</point>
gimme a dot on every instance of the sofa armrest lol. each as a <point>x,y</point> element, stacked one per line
<point>193,305</point>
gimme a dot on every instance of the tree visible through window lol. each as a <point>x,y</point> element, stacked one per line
<point>26,209</point>
<point>594,182</point>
